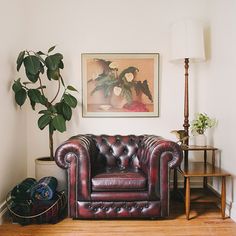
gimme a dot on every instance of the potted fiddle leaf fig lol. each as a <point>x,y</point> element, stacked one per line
<point>43,68</point>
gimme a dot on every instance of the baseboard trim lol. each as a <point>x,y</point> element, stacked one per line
<point>3,211</point>
<point>228,208</point>
<point>233,212</point>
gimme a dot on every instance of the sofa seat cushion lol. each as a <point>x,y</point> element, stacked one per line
<point>119,180</point>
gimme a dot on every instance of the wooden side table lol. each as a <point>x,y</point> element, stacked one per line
<point>202,169</point>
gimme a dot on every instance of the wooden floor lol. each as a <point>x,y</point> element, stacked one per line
<point>205,220</point>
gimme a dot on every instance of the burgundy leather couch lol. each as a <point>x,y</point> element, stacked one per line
<point>118,176</point>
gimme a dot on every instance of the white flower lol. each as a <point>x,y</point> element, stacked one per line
<point>129,76</point>
<point>113,65</point>
<point>117,91</point>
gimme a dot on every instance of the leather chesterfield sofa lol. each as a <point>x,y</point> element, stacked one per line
<point>118,176</point>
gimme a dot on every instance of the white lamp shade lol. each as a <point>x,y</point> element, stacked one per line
<point>187,41</point>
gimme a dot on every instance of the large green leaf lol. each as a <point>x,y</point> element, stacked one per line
<point>17,86</point>
<point>32,103</point>
<point>58,107</point>
<point>59,123</point>
<point>70,100</point>
<point>40,58</point>
<point>35,95</point>
<point>67,111</point>
<point>20,60</point>
<point>47,112</point>
<point>32,64</point>
<point>61,65</point>
<point>53,61</point>
<point>43,121</point>
<point>20,97</point>
<point>52,109</point>
<point>43,100</point>
<point>53,74</point>
<point>31,77</point>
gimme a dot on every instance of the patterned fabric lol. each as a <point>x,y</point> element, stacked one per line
<point>22,190</point>
<point>44,189</point>
<point>39,212</point>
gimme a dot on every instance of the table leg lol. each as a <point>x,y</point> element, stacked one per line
<point>175,181</point>
<point>185,159</point>
<point>213,158</point>
<point>187,197</point>
<point>223,196</point>
<point>205,182</point>
<point>205,163</point>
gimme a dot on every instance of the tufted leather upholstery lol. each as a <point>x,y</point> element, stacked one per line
<point>118,151</point>
<point>119,180</point>
<point>135,209</point>
<point>118,176</point>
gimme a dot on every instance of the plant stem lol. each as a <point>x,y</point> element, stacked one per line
<point>51,145</point>
<point>58,90</point>
<point>41,85</point>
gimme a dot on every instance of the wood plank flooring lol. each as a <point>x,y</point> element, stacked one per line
<point>205,220</point>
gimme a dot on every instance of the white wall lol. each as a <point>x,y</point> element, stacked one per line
<point>79,26</point>
<point>113,26</point>
<point>221,84</point>
<point>13,153</point>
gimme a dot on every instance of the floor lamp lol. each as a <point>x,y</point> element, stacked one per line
<point>187,45</point>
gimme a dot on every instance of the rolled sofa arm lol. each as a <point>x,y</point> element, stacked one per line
<point>80,146</point>
<point>155,147</point>
<point>157,155</point>
<point>76,155</point>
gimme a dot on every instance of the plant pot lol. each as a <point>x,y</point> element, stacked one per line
<point>46,167</point>
<point>200,140</point>
<point>117,101</point>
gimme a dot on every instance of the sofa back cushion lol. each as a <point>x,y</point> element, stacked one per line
<point>117,151</point>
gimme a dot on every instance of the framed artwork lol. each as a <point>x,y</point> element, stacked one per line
<point>120,84</point>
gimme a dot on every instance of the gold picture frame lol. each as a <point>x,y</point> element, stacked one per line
<point>120,84</point>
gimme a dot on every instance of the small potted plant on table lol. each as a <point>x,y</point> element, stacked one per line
<point>54,112</point>
<point>198,127</point>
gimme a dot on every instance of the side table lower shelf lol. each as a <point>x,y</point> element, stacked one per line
<point>200,195</point>
<point>201,169</point>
